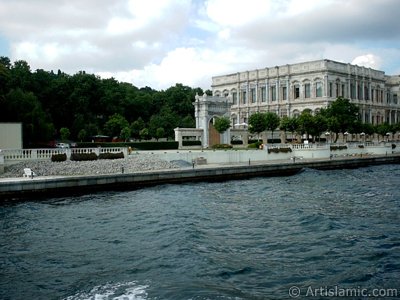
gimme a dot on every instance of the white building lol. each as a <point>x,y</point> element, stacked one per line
<point>289,89</point>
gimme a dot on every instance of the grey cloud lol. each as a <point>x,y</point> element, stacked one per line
<point>342,21</point>
<point>68,24</point>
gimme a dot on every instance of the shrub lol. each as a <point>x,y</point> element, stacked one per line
<point>83,156</point>
<point>255,145</point>
<point>111,155</point>
<point>237,142</point>
<point>222,146</point>
<point>278,150</point>
<point>59,157</point>
<point>191,143</point>
<point>334,148</point>
<point>167,145</point>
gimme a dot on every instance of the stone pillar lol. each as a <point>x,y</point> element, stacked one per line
<point>277,90</point>
<point>1,162</point>
<point>325,93</point>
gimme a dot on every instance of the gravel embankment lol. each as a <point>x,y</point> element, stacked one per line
<point>132,164</point>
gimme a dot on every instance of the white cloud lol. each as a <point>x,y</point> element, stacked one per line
<point>368,60</point>
<point>236,13</point>
<point>161,42</point>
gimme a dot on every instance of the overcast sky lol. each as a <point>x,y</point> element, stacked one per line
<point>158,43</point>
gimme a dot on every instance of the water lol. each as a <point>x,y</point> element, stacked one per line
<point>247,239</point>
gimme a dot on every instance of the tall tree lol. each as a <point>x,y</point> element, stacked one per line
<point>257,123</point>
<point>222,124</point>
<point>341,115</point>
<point>272,122</point>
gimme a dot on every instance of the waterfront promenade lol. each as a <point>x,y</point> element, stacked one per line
<point>18,188</point>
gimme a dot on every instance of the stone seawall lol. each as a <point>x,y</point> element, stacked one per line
<point>19,188</point>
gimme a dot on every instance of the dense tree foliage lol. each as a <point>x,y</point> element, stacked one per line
<point>257,123</point>
<point>222,124</point>
<point>86,105</point>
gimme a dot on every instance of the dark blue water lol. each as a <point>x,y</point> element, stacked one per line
<point>247,239</point>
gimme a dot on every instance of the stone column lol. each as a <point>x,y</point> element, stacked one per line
<point>277,90</point>
<point>178,137</point>
<point>1,162</point>
<point>326,86</point>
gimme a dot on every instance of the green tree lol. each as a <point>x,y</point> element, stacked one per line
<point>136,127</point>
<point>320,125</point>
<point>115,124</point>
<point>257,123</point>
<point>144,134</point>
<point>125,133</point>
<point>160,133</point>
<point>64,133</point>
<point>272,121</point>
<point>82,135</point>
<point>341,115</point>
<point>222,124</point>
<point>24,107</point>
<point>188,122</point>
<point>382,130</point>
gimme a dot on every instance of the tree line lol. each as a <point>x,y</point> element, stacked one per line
<point>54,105</point>
<point>340,116</point>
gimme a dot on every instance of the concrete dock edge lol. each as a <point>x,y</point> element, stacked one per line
<point>28,188</point>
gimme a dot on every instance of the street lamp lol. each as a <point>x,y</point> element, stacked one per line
<point>345,135</point>
<point>363,135</point>
<point>327,134</point>
<point>388,135</point>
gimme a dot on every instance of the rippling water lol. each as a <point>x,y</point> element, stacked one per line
<point>245,239</point>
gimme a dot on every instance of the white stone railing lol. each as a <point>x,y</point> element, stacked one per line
<point>16,155</point>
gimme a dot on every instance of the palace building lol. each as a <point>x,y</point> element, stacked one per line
<point>289,89</point>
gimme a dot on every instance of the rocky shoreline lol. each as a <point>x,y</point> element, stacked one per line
<point>104,166</point>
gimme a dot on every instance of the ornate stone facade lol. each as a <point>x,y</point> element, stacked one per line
<point>289,89</point>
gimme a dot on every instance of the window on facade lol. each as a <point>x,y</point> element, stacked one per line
<point>395,98</point>
<point>330,92</point>
<point>284,91</point>
<point>244,97</point>
<point>273,93</point>
<point>253,95</point>
<point>366,94</point>
<point>263,94</point>
<point>234,121</point>
<point>318,89</point>
<point>352,91</point>
<point>307,90</point>
<point>373,95</point>
<point>359,91</point>
<point>337,89</point>
<point>342,94</point>
<point>296,92</point>
<point>234,98</point>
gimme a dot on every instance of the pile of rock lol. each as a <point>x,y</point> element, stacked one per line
<point>143,162</point>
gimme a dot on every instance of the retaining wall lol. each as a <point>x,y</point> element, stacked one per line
<point>12,189</point>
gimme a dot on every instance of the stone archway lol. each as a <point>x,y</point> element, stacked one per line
<point>207,108</point>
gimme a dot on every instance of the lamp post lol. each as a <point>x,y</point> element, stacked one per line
<point>327,134</point>
<point>345,135</point>
<point>388,135</point>
<point>363,136</point>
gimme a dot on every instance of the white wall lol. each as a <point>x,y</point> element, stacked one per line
<point>10,135</point>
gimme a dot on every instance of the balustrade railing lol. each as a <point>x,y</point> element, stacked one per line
<point>11,155</point>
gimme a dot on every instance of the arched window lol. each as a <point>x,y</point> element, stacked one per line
<point>318,89</point>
